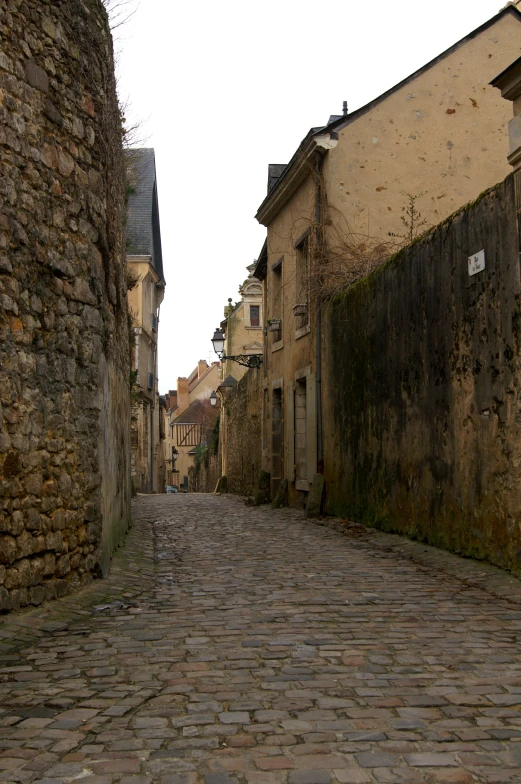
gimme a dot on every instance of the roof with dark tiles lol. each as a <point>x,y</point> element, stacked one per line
<point>143,230</point>
<point>198,412</point>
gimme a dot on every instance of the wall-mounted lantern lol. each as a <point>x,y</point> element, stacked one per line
<point>248,360</point>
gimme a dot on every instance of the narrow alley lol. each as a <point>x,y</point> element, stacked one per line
<point>238,644</point>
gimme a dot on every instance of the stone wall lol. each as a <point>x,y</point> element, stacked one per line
<point>422,400</point>
<point>202,477</point>
<point>64,350</point>
<point>243,422</point>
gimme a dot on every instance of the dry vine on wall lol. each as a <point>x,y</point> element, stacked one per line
<point>339,256</point>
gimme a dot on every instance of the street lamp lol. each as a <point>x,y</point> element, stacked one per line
<point>248,360</point>
<point>218,341</point>
<point>213,398</point>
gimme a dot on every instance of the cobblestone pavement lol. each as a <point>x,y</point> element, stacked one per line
<point>236,644</point>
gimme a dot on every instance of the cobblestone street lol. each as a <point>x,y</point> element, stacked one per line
<point>238,644</point>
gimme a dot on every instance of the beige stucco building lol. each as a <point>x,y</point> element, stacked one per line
<point>146,292</point>
<point>189,418</point>
<point>355,190</point>
<point>243,325</point>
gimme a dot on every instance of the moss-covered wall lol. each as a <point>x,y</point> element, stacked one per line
<point>422,409</point>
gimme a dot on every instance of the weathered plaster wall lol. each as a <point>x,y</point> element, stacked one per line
<point>64,347</point>
<point>442,136</point>
<point>243,422</point>
<point>209,380</point>
<point>291,353</point>
<point>422,401</point>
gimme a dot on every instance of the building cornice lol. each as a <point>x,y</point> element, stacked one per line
<point>297,173</point>
<point>135,259</point>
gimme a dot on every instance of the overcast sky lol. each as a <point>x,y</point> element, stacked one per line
<point>222,89</point>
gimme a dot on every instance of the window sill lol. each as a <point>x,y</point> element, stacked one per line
<point>277,346</point>
<point>299,333</point>
<point>250,326</point>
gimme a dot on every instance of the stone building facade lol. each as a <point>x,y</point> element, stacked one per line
<point>64,337</point>
<point>436,140</point>
<point>241,414</point>
<point>145,271</point>
<point>243,328</point>
<point>235,450</point>
<point>243,325</point>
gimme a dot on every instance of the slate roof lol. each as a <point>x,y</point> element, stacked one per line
<point>229,382</point>
<point>274,172</point>
<point>262,263</point>
<point>143,230</point>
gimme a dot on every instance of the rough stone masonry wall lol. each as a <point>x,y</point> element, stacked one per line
<point>203,478</point>
<point>64,352</point>
<point>244,434</point>
<point>423,397</point>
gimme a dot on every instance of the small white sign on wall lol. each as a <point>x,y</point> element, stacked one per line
<point>477,262</point>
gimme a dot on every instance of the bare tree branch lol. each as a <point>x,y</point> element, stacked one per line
<point>120,11</point>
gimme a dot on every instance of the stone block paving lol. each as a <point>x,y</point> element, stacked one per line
<point>238,645</point>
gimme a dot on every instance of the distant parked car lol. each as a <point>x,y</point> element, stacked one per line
<point>172,489</point>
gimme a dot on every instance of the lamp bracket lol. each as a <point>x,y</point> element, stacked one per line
<point>247,360</point>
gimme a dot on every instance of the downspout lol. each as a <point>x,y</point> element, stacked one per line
<point>152,410</point>
<point>152,407</point>
<point>318,346</point>
<point>155,485</point>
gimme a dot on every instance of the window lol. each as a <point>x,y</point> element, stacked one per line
<point>302,446</point>
<point>254,316</point>
<point>302,284</point>
<point>276,300</point>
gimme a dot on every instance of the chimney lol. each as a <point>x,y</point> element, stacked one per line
<point>202,367</point>
<point>183,398</point>
<point>172,399</point>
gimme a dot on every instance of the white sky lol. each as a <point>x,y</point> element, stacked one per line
<point>222,89</point>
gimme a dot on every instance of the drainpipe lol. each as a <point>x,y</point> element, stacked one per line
<point>318,346</point>
<point>152,411</point>
<point>155,485</point>
<point>152,407</point>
